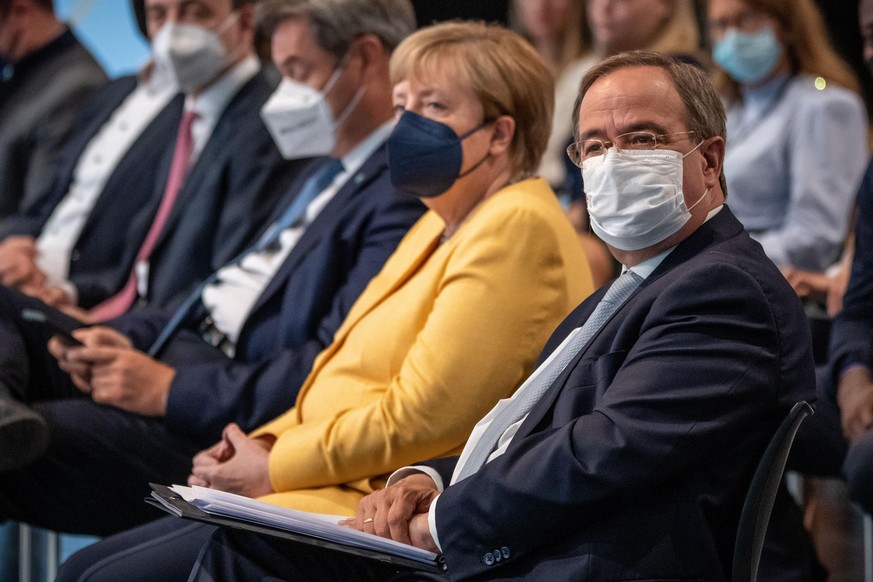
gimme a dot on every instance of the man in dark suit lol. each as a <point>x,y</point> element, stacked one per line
<point>68,246</point>
<point>627,454</point>
<point>216,201</point>
<point>47,79</point>
<point>238,355</point>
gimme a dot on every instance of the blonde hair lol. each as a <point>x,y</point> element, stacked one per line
<point>576,41</point>
<point>501,68</point>
<point>807,44</point>
<point>681,32</point>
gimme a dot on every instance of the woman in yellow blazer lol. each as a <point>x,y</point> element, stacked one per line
<point>456,317</point>
<point>459,313</point>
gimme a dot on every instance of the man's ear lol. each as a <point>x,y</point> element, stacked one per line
<point>504,131</point>
<point>713,154</point>
<point>371,51</point>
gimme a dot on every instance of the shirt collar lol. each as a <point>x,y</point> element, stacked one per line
<point>211,103</point>
<point>34,59</point>
<point>353,160</point>
<point>646,268</point>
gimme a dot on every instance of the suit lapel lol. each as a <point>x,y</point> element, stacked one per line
<point>325,222</point>
<point>722,226</point>
<point>216,145</point>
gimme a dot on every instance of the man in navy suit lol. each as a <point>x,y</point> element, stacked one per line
<point>628,453</point>
<point>250,337</point>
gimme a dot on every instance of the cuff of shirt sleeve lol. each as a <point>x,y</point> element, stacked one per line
<point>431,523</point>
<point>406,471</point>
<point>70,289</point>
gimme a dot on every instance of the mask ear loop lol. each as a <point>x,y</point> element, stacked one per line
<point>485,123</point>
<point>705,192</point>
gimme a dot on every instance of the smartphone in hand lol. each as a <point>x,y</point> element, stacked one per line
<point>40,318</point>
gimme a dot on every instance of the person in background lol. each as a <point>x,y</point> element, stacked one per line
<point>628,453</point>
<point>45,80</point>
<point>451,324</point>
<point>558,31</point>
<point>67,245</point>
<point>797,130</point>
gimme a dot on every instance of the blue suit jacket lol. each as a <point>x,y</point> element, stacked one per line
<point>635,463</point>
<point>227,196</point>
<point>103,255</point>
<point>296,315</point>
<point>852,331</point>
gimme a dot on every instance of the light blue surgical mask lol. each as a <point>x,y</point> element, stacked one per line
<point>748,57</point>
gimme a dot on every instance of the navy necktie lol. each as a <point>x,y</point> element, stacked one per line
<point>296,210</point>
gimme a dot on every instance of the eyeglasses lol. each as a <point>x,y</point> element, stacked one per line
<point>635,140</point>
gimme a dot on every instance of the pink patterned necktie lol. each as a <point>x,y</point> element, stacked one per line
<point>121,301</point>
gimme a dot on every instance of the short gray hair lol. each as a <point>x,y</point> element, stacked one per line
<point>336,23</point>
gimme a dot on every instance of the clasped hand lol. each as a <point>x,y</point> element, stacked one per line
<point>113,372</point>
<point>236,464</point>
<point>399,512</point>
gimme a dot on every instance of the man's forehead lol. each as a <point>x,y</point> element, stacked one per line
<point>630,97</point>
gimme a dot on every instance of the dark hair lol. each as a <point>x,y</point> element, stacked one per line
<point>704,111</point>
<point>47,5</point>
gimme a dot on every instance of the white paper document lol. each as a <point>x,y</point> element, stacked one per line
<point>317,525</point>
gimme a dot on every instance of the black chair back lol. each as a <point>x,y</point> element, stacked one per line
<point>762,493</point>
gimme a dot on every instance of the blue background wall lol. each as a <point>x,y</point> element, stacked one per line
<point>109,30</point>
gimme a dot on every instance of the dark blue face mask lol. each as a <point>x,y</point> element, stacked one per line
<point>425,156</point>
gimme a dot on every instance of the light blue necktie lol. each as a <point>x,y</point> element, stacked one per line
<point>617,293</point>
<point>313,186</point>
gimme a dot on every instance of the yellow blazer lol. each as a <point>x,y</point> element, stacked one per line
<point>439,335</point>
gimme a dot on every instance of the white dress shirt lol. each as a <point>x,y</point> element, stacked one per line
<point>94,167</point>
<point>209,106</point>
<point>233,295</point>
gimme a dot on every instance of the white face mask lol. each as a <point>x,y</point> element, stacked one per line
<point>194,55</point>
<point>635,197</point>
<point>300,119</point>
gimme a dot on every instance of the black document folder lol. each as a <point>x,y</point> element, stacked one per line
<point>168,500</point>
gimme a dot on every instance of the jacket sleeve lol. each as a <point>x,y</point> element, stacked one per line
<point>852,332</point>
